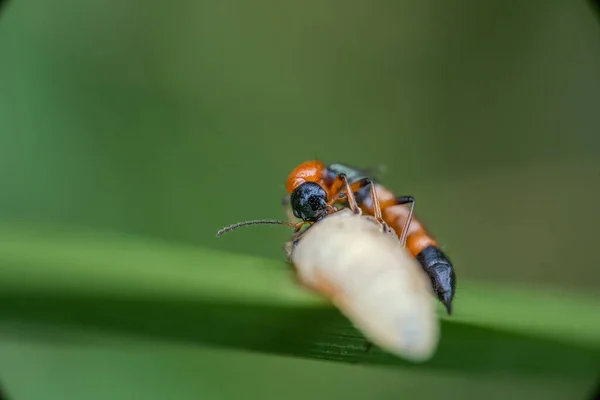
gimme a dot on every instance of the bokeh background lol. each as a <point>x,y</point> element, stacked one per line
<point>170,120</point>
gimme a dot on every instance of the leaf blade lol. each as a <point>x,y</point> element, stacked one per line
<point>137,286</point>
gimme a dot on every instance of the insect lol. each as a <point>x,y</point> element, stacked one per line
<point>355,260</point>
<point>314,187</point>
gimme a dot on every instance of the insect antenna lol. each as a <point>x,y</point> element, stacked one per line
<point>255,222</point>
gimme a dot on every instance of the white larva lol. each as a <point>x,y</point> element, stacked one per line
<point>372,280</point>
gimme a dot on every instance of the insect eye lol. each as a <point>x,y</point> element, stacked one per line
<point>309,201</point>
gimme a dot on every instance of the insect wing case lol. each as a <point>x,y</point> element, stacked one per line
<point>372,280</point>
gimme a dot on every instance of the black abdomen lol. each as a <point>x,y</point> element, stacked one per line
<point>441,272</point>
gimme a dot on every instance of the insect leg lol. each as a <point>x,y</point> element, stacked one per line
<point>376,205</point>
<point>405,200</point>
<point>349,194</point>
<point>297,229</point>
<point>345,189</point>
<point>359,184</point>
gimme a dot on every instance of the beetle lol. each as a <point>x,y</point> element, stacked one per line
<point>313,188</point>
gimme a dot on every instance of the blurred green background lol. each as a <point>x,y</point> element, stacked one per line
<point>171,120</point>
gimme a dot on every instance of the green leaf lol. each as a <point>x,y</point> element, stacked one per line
<point>136,286</point>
